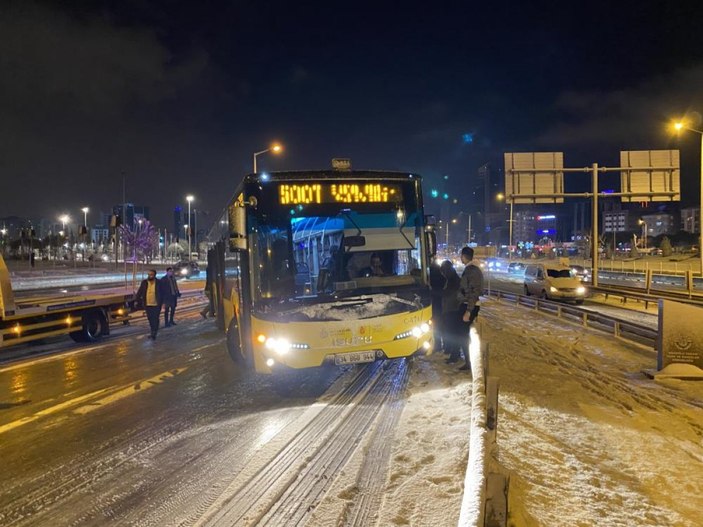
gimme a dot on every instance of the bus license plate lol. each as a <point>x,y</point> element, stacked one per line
<point>354,358</point>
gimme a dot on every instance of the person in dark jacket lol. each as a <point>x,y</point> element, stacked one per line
<point>470,289</point>
<point>437,282</point>
<point>169,295</point>
<point>149,299</point>
<point>450,307</point>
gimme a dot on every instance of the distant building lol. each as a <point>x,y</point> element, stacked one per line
<point>178,222</point>
<point>13,225</point>
<point>691,220</point>
<point>620,221</point>
<point>100,235</point>
<point>524,226</point>
<point>131,213</point>
<point>658,224</point>
<point>545,227</point>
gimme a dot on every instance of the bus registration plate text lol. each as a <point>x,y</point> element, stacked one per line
<point>354,358</point>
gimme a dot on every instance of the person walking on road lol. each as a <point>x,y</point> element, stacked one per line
<point>209,309</point>
<point>170,294</point>
<point>149,298</point>
<point>470,289</point>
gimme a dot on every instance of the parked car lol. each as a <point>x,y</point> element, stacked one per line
<point>580,272</point>
<point>493,264</point>
<point>516,267</point>
<point>553,283</point>
<point>186,269</point>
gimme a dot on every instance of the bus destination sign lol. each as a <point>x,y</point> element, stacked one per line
<point>328,193</point>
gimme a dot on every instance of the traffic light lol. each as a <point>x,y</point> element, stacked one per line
<point>434,193</point>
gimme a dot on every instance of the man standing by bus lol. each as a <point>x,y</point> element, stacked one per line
<point>149,299</point>
<point>470,289</point>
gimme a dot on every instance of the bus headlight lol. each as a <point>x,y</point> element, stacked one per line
<point>280,346</point>
<point>416,332</point>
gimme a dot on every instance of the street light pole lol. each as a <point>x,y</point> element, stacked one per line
<point>510,230</point>
<point>680,126</point>
<point>189,199</point>
<point>273,148</point>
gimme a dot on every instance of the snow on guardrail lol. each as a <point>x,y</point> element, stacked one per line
<point>473,500</point>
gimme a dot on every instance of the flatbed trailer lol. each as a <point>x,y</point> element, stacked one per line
<point>84,316</point>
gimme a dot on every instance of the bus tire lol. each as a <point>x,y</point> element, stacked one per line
<point>94,327</point>
<point>234,346</point>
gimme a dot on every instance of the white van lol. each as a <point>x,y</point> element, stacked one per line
<point>554,282</point>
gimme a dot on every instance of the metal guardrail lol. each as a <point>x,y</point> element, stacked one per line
<point>637,294</point>
<point>630,331</point>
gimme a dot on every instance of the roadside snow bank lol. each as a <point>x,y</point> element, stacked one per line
<point>472,504</point>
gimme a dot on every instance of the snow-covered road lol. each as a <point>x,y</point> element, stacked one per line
<point>589,439</point>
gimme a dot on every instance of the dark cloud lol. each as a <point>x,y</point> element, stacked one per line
<point>633,118</point>
<point>83,101</point>
<point>177,96</point>
<point>54,61</point>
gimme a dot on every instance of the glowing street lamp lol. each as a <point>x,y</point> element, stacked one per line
<point>678,126</point>
<point>64,219</point>
<point>85,216</point>
<point>275,148</point>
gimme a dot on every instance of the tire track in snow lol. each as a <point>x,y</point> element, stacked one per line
<point>292,480</point>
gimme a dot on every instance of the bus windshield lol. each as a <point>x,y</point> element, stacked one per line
<point>319,251</point>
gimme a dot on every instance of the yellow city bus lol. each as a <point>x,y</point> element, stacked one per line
<point>323,267</point>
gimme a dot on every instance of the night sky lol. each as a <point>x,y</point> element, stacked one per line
<point>176,96</point>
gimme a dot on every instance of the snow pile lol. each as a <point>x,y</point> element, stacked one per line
<point>472,504</point>
<point>588,438</point>
<point>368,306</point>
<point>425,478</point>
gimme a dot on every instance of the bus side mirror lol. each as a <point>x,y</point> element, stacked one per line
<point>431,238</point>
<point>237,227</point>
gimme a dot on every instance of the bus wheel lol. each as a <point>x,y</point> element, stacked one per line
<point>234,345</point>
<point>94,328</point>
